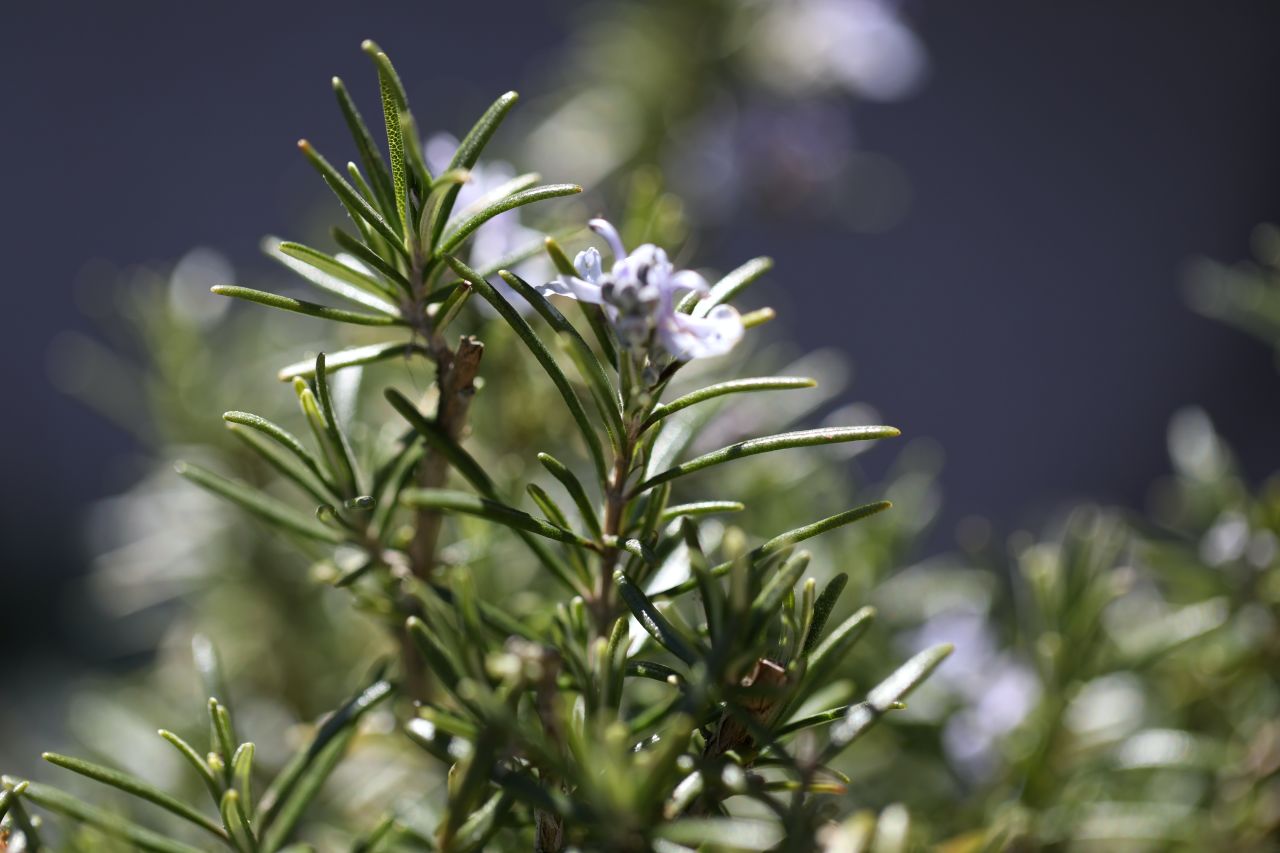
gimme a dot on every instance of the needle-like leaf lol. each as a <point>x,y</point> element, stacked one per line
<point>736,386</point>
<point>136,787</point>
<point>465,228</point>
<point>311,309</point>
<point>444,499</point>
<point>352,357</point>
<point>104,821</point>
<point>769,444</point>
<point>260,504</point>
<point>652,620</point>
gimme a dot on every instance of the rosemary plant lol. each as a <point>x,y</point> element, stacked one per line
<point>670,694</point>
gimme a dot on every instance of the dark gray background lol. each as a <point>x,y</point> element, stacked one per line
<point>1066,159</point>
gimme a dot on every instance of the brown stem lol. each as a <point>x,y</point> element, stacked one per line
<point>455,376</point>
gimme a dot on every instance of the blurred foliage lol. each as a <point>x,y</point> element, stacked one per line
<point>1114,684</point>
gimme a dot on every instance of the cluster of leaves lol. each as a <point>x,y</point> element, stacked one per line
<point>582,730</point>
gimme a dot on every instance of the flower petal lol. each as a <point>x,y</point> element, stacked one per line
<point>687,337</point>
<point>610,234</point>
<point>574,288</point>
<point>587,263</point>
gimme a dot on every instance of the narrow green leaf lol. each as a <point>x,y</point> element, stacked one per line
<point>469,152</point>
<point>885,696</point>
<point>136,787</point>
<point>342,459</point>
<point>450,307</point>
<point>352,357</point>
<point>507,188</point>
<point>242,771</point>
<point>370,257</point>
<point>331,275</point>
<point>731,285</point>
<point>800,534</point>
<point>693,510</point>
<point>262,505</point>
<point>356,205</point>
<point>769,444</point>
<point>544,358</point>
<point>282,437</point>
<point>736,386</point>
<point>575,489</point>
<point>393,102</point>
<point>606,397</point>
<point>822,611</point>
<point>491,510</point>
<point>288,796</point>
<point>283,462</point>
<point>440,442</point>
<point>783,581</point>
<point>652,620</point>
<point>653,670</point>
<point>237,822</point>
<point>311,309</point>
<point>369,156</point>
<point>465,228</point>
<point>105,822</point>
<point>196,760</point>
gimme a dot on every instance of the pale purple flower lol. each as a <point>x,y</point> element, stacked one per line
<point>639,293</point>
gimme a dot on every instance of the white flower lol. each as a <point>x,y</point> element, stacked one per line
<point>638,293</point>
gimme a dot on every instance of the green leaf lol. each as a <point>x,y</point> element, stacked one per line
<point>606,397</point>
<point>450,307</point>
<point>769,444</point>
<point>237,822</point>
<point>653,621</point>
<point>370,257</point>
<point>730,286</point>
<point>440,442</point>
<point>242,770</point>
<point>136,787</point>
<point>288,796</point>
<point>653,670</point>
<point>786,540</point>
<point>283,462</point>
<point>575,489</point>
<point>832,650</point>
<point>517,184</point>
<point>783,581</point>
<point>369,156</point>
<point>465,228</point>
<point>543,357</point>
<point>822,611</point>
<point>356,205</point>
<point>444,499</point>
<point>393,102</point>
<point>196,761</point>
<point>331,275</point>
<point>282,437</point>
<point>341,459</point>
<point>885,696</point>
<point>736,386</point>
<point>311,309</point>
<point>693,510</point>
<point>352,357</point>
<point>262,505</point>
<point>469,152</point>
<point>106,822</point>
